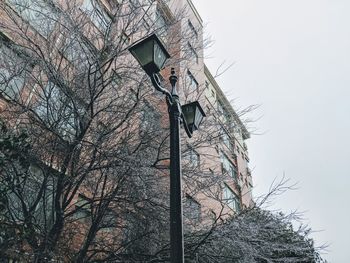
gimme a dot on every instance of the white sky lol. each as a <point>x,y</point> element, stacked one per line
<point>292,56</point>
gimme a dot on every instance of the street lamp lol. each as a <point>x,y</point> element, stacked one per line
<point>151,55</point>
<point>193,114</point>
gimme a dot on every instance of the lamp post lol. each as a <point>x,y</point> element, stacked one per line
<point>151,55</point>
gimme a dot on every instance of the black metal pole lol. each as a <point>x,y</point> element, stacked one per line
<point>176,229</point>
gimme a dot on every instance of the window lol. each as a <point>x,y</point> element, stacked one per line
<point>160,22</point>
<point>37,13</point>
<point>138,3</point>
<point>97,15</point>
<point>191,82</point>
<point>135,3</point>
<point>220,107</point>
<point>74,49</point>
<point>109,219</point>
<point>225,117</point>
<point>213,216</point>
<point>238,134</point>
<point>124,38</point>
<point>194,31</point>
<point>249,172</point>
<point>58,111</point>
<point>192,209</point>
<point>30,193</point>
<point>193,53</point>
<point>116,79</point>
<point>193,157</point>
<point>145,24</point>
<point>245,146</point>
<point>231,199</point>
<point>233,172</point>
<point>12,74</point>
<point>83,207</point>
<point>233,125</point>
<point>213,93</point>
<point>227,166</point>
<point>226,139</point>
<point>148,119</point>
<point>208,111</point>
<point>10,84</point>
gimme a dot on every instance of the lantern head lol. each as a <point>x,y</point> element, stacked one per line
<point>193,114</point>
<point>150,53</point>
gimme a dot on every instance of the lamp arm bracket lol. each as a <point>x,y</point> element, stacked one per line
<point>170,101</point>
<point>156,83</point>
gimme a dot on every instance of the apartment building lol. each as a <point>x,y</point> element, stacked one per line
<point>62,63</point>
<point>226,155</point>
<point>233,149</point>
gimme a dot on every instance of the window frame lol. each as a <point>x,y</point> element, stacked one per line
<point>195,162</point>
<point>193,84</point>
<point>231,199</point>
<point>96,13</point>
<point>193,29</point>
<point>220,107</point>
<point>226,139</point>
<point>228,166</point>
<point>190,204</point>
<point>193,52</point>
<point>13,79</point>
<point>34,16</point>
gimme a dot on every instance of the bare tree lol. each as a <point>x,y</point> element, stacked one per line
<point>91,185</point>
<point>255,235</point>
<point>84,141</point>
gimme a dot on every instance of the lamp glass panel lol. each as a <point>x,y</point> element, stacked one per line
<point>198,117</point>
<point>159,56</point>
<point>144,53</point>
<point>189,113</point>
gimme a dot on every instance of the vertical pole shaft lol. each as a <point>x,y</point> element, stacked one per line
<point>176,229</point>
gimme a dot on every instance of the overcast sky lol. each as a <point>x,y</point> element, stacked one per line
<point>292,56</point>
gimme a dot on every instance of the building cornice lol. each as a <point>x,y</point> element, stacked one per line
<point>195,12</point>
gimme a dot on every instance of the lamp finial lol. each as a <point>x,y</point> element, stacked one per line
<point>173,80</point>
